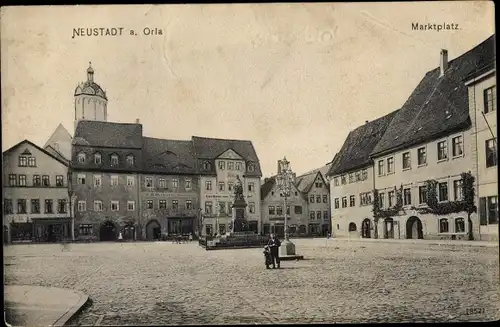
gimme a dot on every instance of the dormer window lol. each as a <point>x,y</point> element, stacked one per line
<point>114,160</point>
<point>251,167</point>
<point>97,158</point>
<point>130,160</point>
<point>206,165</point>
<point>81,158</point>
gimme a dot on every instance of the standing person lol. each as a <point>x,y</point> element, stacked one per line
<point>274,244</point>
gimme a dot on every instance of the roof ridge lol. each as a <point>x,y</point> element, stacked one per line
<point>161,139</point>
<point>220,139</point>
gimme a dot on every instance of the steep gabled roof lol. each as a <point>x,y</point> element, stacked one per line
<point>267,187</point>
<point>6,152</point>
<point>107,134</point>
<point>438,105</point>
<point>168,156</point>
<point>306,181</point>
<point>355,153</point>
<point>57,154</point>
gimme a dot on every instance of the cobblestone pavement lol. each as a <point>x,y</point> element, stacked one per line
<point>164,283</point>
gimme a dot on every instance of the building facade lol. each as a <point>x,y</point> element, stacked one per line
<point>221,163</point>
<point>351,178</point>
<point>483,113</point>
<point>35,192</point>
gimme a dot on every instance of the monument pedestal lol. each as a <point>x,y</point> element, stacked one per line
<point>287,251</point>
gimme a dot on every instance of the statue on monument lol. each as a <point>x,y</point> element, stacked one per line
<point>239,222</point>
<point>238,189</point>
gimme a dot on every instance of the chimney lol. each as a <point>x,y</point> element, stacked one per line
<point>366,121</point>
<point>443,62</point>
<point>137,121</point>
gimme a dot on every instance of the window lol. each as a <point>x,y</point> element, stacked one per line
<point>59,180</point>
<point>312,216</point>
<point>189,205</point>
<point>208,185</point>
<point>381,197</point>
<point>162,204</point>
<point>251,167</point>
<point>390,197</point>
<point>222,165</point>
<point>352,201</point>
<point>221,186</point>
<point>208,229</point>
<point>97,159</point>
<point>319,184</point>
<point>49,206</point>
<point>343,179</point>
<point>337,203</point>
<point>175,183</point>
<point>21,206</point>
<point>380,167</point>
<point>98,205</point>
<point>443,191</point>
<point>318,198</point>
<point>279,210</point>
<point>208,207</point>
<point>230,186</point>
<point>114,160</point>
<point>130,180</point>
<point>32,161</point>
<point>488,210</point>
<point>81,158</point>
<point>491,153</point>
<point>22,180</point>
<point>357,176</point>
<point>406,196</point>
<point>422,194</point>
<point>352,227</point>
<point>406,160</point>
<point>351,178</point>
<point>298,210</point>
<point>230,165</point>
<point>130,160</point>
<point>490,99</point>
<point>318,215</point>
<point>325,198</point>
<point>115,205</point>
<point>251,187</point>
<point>421,156</point>
<point>37,180</point>
<point>222,207</point>
<point>45,181</point>
<point>7,209</point>
<point>81,179</point>
<point>149,204</point>
<point>82,205</point>
<point>162,183</point>
<point>61,206</point>
<point>23,161</point>
<point>459,225</point>
<point>149,182</point>
<point>238,166</point>
<point>443,225</point>
<point>457,190</point>
<point>364,174</point>
<point>175,205</point>
<point>344,202</point>
<point>114,180</point>
<point>85,229</point>
<point>271,210</point>
<point>35,206</point>
<point>97,180</point>
<point>390,165</point>
<point>325,215</point>
<point>365,198</point>
<point>12,180</point>
<point>336,181</point>
<point>187,184</point>
<point>311,199</point>
<point>457,146</point>
<point>442,150</point>
<point>251,207</point>
<point>207,166</point>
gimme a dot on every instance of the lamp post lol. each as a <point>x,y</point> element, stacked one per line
<point>284,181</point>
<point>72,198</point>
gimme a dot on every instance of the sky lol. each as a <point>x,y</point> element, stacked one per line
<point>294,79</point>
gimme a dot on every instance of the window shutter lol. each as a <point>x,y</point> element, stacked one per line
<point>482,211</point>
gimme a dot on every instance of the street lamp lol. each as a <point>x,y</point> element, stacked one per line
<point>284,180</point>
<point>72,198</point>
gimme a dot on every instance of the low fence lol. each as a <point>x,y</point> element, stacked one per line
<point>240,241</point>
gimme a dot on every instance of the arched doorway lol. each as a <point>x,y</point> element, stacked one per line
<point>107,231</point>
<point>366,228</point>
<point>470,231</point>
<point>352,227</point>
<point>414,228</point>
<point>129,231</point>
<point>388,228</point>
<point>153,230</point>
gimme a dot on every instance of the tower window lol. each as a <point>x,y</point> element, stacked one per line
<point>130,160</point>
<point>114,160</point>
<point>81,158</point>
<point>97,158</point>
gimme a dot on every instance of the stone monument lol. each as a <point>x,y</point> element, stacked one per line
<point>239,222</point>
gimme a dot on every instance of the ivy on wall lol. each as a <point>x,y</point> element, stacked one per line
<point>378,212</point>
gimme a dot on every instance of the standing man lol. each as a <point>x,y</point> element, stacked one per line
<point>274,244</point>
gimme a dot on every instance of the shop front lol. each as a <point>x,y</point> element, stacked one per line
<point>180,226</point>
<point>51,230</point>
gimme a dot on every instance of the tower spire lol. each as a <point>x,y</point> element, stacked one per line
<point>90,73</point>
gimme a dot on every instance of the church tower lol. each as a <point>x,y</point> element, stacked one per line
<point>91,102</point>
